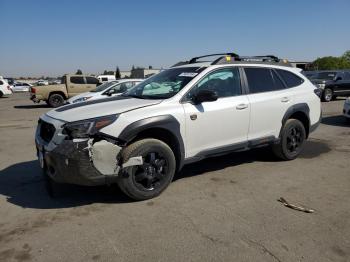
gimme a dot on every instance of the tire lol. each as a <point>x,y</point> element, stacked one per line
<point>292,139</point>
<point>1,94</point>
<point>56,100</point>
<point>327,95</point>
<point>156,173</point>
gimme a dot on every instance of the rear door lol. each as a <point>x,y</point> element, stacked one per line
<point>91,83</point>
<point>76,85</point>
<point>343,84</point>
<point>269,100</point>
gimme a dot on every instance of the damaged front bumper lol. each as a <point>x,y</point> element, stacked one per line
<point>81,162</point>
<point>87,161</point>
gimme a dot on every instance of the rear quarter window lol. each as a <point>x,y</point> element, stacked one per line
<point>289,78</point>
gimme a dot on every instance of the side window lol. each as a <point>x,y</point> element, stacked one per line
<point>104,79</point>
<point>262,80</point>
<point>289,78</point>
<point>77,80</point>
<point>91,80</point>
<point>1,83</point>
<point>225,82</point>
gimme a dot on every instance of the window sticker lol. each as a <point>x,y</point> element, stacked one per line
<point>188,74</point>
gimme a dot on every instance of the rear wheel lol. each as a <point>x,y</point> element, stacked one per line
<point>292,140</point>
<point>56,100</point>
<point>327,95</point>
<point>154,175</point>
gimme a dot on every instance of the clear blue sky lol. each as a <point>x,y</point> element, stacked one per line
<point>55,37</point>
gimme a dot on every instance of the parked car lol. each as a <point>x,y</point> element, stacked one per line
<point>42,82</point>
<point>106,78</point>
<point>309,74</point>
<point>21,87</point>
<point>105,90</point>
<point>5,88</point>
<point>333,84</point>
<point>10,80</point>
<point>346,110</point>
<point>55,95</point>
<point>141,138</point>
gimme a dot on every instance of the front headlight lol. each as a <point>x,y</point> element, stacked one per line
<point>88,127</point>
<point>82,99</point>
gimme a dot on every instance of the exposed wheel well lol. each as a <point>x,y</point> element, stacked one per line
<point>58,92</point>
<point>165,136</point>
<point>303,118</point>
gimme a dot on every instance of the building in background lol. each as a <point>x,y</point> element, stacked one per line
<point>301,65</point>
<point>125,74</point>
<point>144,72</point>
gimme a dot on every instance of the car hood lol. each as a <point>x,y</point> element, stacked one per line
<point>100,107</point>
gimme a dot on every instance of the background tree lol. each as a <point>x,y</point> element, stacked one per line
<point>346,55</point>
<point>331,63</point>
<point>106,72</point>
<point>117,73</point>
<point>79,72</point>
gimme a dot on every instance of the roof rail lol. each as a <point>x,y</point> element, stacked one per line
<point>194,59</point>
<point>227,58</point>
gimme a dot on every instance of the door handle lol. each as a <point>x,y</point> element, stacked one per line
<point>285,99</point>
<point>242,106</point>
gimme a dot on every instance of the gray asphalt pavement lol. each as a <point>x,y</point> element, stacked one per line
<point>220,209</point>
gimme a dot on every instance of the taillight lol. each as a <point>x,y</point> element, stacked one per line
<point>32,90</point>
<point>318,92</point>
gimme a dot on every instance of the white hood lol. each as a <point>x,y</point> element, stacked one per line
<point>97,108</point>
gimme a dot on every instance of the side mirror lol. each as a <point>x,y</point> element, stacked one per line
<point>109,92</point>
<point>338,78</point>
<point>205,96</point>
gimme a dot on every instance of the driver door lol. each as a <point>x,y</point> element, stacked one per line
<point>221,125</point>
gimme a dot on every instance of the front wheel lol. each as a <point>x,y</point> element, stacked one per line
<point>327,95</point>
<point>148,180</point>
<point>292,140</point>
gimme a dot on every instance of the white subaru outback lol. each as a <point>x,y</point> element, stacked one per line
<point>184,114</point>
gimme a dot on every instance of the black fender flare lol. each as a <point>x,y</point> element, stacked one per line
<point>166,122</point>
<point>301,107</point>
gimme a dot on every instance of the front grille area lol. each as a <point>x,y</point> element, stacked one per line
<point>47,131</point>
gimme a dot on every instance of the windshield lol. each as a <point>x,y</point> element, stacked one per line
<point>165,84</point>
<point>104,86</point>
<point>324,75</point>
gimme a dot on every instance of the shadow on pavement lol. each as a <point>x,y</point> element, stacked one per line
<point>311,150</point>
<point>23,184</point>
<point>338,120</point>
<point>32,106</point>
